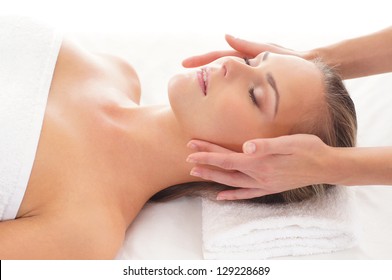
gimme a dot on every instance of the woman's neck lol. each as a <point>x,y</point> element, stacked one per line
<point>162,148</point>
<point>157,155</point>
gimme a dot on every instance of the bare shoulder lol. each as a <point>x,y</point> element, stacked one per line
<point>59,237</point>
<point>124,73</point>
<point>78,61</point>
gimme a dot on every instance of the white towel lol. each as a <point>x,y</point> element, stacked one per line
<point>233,230</point>
<point>28,55</point>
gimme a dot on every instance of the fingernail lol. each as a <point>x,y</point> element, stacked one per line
<point>190,159</point>
<point>195,173</point>
<point>220,197</point>
<point>233,37</point>
<point>192,146</point>
<point>249,148</point>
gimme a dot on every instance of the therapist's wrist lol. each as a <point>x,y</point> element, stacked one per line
<point>344,166</point>
<point>334,166</point>
<point>325,54</point>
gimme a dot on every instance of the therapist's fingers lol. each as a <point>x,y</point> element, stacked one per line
<point>204,146</point>
<point>230,178</point>
<point>250,48</point>
<point>282,145</point>
<point>228,161</point>
<point>241,194</point>
<point>199,60</point>
<point>246,47</point>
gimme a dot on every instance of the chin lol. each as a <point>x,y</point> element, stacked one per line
<point>173,89</point>
<point>176,85</point>
<point>182,90</point>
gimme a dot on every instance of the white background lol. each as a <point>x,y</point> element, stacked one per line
<point>288,23</point>
<point>237,17</point>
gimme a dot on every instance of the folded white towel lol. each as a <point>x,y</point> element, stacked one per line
<point>243,230</point>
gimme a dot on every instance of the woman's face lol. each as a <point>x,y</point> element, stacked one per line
<point>233,100</point>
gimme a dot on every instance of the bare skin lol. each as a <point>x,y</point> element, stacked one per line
<point>79,201</point>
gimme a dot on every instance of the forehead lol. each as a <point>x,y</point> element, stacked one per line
<point>296,76</point>
<point>292,62</point>
<point>300,84</point>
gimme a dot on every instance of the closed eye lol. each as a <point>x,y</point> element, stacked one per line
<point>246,61</point>
<point>251,90</point>
<point>253,97</point>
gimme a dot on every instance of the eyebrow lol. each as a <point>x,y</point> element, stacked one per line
<point>272,83</point>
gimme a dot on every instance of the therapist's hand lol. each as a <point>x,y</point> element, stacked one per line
<point>266,166</point>
<point>241,48</point>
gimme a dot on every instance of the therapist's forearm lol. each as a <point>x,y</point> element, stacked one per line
<point>361,56</point>
<point>363,166</point>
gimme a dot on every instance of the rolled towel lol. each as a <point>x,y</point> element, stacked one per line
<point>246,230</point>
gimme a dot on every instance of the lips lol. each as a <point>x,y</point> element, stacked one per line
<point>202,77</point>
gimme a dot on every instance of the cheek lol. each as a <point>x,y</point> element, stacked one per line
<point>186,101</point>
<point>233,123</point>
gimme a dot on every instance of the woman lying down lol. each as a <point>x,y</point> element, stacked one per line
<point>101,156</point>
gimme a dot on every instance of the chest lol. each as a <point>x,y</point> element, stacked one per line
<point>81,135</point>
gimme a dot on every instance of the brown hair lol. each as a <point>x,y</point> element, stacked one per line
<point>335,124</point>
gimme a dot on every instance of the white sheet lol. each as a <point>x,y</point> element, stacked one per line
<point>172,230</point>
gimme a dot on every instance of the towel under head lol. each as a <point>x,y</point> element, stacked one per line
<point>243,230</point>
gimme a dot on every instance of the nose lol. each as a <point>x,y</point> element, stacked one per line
<point>233,67</point>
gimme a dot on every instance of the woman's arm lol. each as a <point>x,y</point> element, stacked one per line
<point>361,56</point>
<point>31,238</point>
<point>55,238</point>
